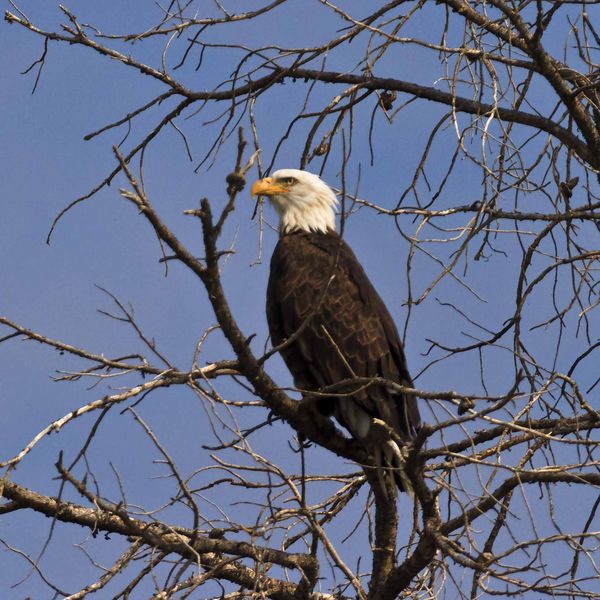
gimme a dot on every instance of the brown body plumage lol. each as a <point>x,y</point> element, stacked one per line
<point>319,293</point>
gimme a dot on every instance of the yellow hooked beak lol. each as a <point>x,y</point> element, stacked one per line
<point>267,187</point>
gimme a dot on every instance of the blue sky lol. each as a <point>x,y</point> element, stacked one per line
<point>53,288</point>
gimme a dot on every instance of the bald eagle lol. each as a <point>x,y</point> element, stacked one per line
<point>321,302</point>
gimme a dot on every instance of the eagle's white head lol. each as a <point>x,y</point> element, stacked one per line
<point>302,200</point>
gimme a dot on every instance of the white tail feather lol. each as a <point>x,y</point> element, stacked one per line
<point>397,462</point>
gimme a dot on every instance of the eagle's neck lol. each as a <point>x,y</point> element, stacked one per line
<point>318,216</point>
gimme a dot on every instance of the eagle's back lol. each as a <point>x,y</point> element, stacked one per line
<point>319,293</point>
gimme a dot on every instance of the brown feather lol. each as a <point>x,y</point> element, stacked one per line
<point>315,277</point>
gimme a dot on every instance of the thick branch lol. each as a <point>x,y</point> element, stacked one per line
<point>459,103</point>
<point>186,543</point>
<point>546,475</point>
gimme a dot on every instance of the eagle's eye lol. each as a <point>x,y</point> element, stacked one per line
<point>288,181</point>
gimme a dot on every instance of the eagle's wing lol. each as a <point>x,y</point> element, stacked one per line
<point>319,293</point>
